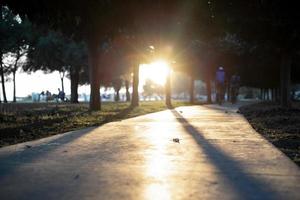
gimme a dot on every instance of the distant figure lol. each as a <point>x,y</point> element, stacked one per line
<point>234,87</point>
<point>220,85</point>
<point>61,95</point>
<point>41,94</point>
<point>48,96</point>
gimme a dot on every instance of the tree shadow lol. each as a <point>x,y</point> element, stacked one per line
<point>10,161</point>
<point>245,184</point>
<point>31,153</point>
<point>120,115</point>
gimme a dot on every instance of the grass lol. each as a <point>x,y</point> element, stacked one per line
<point>278,125</point>
<point>25,122</point>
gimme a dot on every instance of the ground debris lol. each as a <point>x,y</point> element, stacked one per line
<point>76,177</point>
<point>177,140</point>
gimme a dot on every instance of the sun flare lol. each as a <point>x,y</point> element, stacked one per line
<point>156,71</point>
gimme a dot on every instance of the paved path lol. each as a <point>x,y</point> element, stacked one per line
<point>219,156</point>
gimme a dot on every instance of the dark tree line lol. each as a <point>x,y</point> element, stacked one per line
<point>259,39</point>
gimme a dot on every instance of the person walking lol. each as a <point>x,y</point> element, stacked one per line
<point>61,95</point>
<point>220,85</point>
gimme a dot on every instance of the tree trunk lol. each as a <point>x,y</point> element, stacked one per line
<point>192,89</point>
<point>62,75</point>
<point>3,81</point>
<point>74,75</point>
<point>117,98</point>
<point>14,83</point>
<point>273,94</point>
<point>208,90</point>
<point>285,79</point>
<point>1,68</point>
<point>93,56</point>
<point>14,75</point>
<point>135,86</point>
<point>127,90</point>
<point>277,95</point>
<point>62,84</point>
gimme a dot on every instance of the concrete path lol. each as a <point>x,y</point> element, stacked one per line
<point>219,156</point>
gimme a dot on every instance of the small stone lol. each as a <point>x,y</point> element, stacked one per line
<point>176,140</point>
<point>226,111</point>
<point>28,146</point>
<point>180,111</point>
<point>76,177</point>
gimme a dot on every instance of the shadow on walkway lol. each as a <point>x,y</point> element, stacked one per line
<point>246,185</point>
<point>31,153</point>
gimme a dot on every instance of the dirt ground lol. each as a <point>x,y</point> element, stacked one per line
<point>279,125</point>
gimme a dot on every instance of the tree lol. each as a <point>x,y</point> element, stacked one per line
<point>91,22</point>
<point>76,57</point>
<point>7,24</point>
<point>22,38</point>
<point>117,84</point>
<point>271,24</point>
<point>15,37</point>
<point>53,51</point>
<point>151,88</point>
<point>88,21</point>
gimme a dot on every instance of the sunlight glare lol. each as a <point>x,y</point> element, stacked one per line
<point>156,71</point>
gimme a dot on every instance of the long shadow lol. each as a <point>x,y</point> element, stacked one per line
<point>245,185</point>
<point>121,115</point>
<point>9,162</point>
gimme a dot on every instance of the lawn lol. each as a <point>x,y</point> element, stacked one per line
<point>29,121</point>
<point>280,126</point>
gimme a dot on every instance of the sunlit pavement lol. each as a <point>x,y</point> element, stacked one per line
<point>219,156</point>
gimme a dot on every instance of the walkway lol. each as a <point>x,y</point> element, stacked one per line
<point>218,156</point>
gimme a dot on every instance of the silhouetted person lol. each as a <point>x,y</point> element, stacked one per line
<point>234,87</point>
<point>41,94</point>
<point>220,85</point>
<point>61,95</point>
<point>48,95</point>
